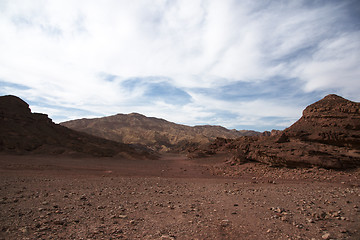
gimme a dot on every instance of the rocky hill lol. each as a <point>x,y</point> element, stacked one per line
<point>23,132</point>
<point>332,120</point>
<point>327,135</point>
<point>158,134</point>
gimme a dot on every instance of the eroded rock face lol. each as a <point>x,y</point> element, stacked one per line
<point>327,135</point>
<point>22,131</point>
<point>332,120</point>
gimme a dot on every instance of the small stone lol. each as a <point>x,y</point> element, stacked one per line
<point>279,210</point>
<point>83,198</point>
<point>310,220</point>
<point>343,230</point>
<point>326,236</point>
<point>42,229</point>
<point>224,223</point>
<point>59,222</point>
<point>122,216</point>
<point>167,237</point>
<point>23,229</point>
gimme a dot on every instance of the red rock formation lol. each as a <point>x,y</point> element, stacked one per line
<point>327,135</point>
<point>332,120</point>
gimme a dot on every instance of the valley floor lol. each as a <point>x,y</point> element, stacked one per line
<point>173,198</point>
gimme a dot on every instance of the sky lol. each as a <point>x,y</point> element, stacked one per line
<point>241,64</point>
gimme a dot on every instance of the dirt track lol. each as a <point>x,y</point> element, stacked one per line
<point>173,198</point>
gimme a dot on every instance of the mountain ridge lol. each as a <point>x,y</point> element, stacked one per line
<point>156,133</point>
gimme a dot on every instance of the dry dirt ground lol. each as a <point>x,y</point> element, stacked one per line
<point>173,198</point>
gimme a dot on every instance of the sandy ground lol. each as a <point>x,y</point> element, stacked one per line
<point>173,198</point>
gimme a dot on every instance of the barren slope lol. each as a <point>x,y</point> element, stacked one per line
<point>157,133</point>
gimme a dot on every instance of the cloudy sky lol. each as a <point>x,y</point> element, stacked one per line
<point>240,64</point>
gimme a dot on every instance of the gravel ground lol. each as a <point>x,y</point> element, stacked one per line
<point>173,198</point>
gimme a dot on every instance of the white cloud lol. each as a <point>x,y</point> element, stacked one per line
<point>335,65</point>
<point>59,48</point>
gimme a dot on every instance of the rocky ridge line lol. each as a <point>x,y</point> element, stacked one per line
<point>158,134</point>
<point>327,135</point>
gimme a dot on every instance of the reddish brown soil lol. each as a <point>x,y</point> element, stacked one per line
<point>173,198</point>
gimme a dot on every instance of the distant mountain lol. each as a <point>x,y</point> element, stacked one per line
<point>327,135</point>
<point>155,133</point>
<point>24,132</point>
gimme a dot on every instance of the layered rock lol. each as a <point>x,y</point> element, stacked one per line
<point>327,135</point>
<point>332,120</point>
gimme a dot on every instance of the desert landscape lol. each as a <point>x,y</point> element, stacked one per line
<point>179,120</point>
<point>300,183</point>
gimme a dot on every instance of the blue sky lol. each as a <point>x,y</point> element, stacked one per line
<point>240,64</point>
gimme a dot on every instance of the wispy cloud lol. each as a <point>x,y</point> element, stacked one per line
<point>243,64</point>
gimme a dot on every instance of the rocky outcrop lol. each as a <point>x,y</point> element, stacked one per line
<point>327,135</point>
<point>332,120</point>
<point>24,132</point>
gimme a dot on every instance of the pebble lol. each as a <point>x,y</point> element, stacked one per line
<point>224,222</point>
<point>59,222</point>
<point>310,220</point>
<point>23,229</point>
<point>167,237</point>
<point>83,198</point>
<point>326,236</point>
